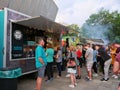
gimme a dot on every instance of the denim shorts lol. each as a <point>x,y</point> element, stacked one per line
<point>41,71</point>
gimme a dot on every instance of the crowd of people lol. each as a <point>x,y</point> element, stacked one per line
<point>96,58</point>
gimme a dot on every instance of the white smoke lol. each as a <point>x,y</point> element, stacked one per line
<point>96,31</point>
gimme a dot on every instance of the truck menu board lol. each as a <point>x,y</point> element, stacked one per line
<point>17,42</point>
<point>23,41</point>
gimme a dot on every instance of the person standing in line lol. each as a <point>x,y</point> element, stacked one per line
<point>113,53</point>
<point>89,61</point>
<point>59,61</point>
<point>73,54</point>
<point>83,55</point>
<point>41,62</point>
<point>106,60</point>
<point>100,64</point>
<point>49,57</point>
<point>116,66</point>
<point>79,54</point>
<point>95,67</point>
<point>71,64</point>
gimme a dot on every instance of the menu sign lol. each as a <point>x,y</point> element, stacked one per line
<point>17,42</point>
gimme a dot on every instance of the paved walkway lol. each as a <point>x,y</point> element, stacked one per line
<point>28,83</point>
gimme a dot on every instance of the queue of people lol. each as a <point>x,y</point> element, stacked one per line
<point>92,56</point>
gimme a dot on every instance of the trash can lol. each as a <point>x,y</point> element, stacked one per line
<point>8,78</point>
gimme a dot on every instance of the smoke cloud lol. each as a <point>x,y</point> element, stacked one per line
<point>96,31</point>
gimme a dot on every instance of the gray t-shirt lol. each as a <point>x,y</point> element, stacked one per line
<point>59,53</point>
<point>89,55</point>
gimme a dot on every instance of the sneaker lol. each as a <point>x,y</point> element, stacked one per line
<point>51,79</point>
<point>78,77</point>
<point>87,79</point>
<point>115,76</point>
<point>95,75</point>
<point>104,79</point>
<point>107,79</point>
<point>68,75</point>
<point>72,86</point>
<point>47,81</point>
<point>90,79</point>
<point>75,84</point>
<point>58,76</point>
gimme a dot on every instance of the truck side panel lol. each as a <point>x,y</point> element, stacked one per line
<point>1,37</point>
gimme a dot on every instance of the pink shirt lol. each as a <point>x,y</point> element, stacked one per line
<point>118,57</point>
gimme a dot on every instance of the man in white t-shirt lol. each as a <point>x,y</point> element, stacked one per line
<point>89,60</point>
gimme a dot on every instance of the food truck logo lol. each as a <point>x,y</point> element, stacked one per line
<point>18,34</point>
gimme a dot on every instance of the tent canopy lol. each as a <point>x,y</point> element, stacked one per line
<point>42,23</point>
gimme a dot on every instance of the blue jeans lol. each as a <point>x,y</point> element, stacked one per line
<point>59,68</point>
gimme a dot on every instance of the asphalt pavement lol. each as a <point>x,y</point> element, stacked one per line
<point>28,82</point>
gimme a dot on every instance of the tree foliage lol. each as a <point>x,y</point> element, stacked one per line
<point>108,20</point>
<point>74,30</point>
<point>74,27</point>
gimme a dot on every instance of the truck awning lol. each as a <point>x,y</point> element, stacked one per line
<point>42,23</point>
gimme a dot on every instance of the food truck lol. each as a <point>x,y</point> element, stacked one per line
<point>18,36</point>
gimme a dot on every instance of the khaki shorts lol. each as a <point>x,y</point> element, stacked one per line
<point>89,66</point>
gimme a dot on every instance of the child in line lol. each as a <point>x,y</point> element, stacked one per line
<point>71,64</point>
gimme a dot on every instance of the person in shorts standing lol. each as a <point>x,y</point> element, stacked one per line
<point>41,62</point>
<point>71,64</point>
<point>79,54</point>
<point>89,60</point>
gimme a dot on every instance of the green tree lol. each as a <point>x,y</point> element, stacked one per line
<point>74,29</point>
<point>108,23</point>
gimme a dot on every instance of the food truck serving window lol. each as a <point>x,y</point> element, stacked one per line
<point>23,41</point>
<point>24,33</point>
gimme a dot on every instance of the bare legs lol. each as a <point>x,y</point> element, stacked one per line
<point>38,83</point>
<point>73,79</point>
<point>89,70</point>
<point>90,74</point>
<point>116,67</point>
<point>78,71</point>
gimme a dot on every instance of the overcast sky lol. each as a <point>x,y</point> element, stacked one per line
<point>77,11</point>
